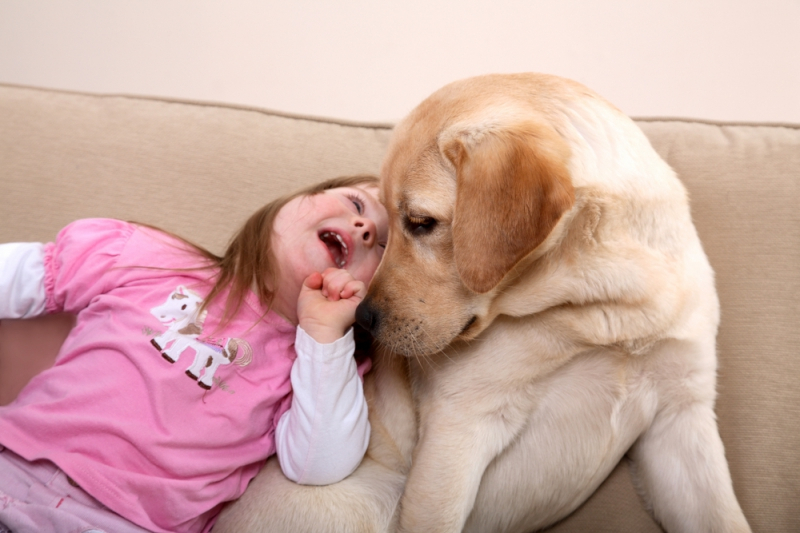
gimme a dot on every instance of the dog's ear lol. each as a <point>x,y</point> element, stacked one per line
<point>513,185</point>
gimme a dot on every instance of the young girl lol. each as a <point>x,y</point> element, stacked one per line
<point>186,370</point>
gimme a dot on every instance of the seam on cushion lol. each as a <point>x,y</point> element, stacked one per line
<point>388,126</point>
<point>202,103</point>
<point>721,123</point>
<point>353,123</point>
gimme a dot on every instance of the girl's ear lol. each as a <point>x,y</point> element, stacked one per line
<point>512,187</point>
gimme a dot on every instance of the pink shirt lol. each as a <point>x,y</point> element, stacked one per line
<point>161,443</point>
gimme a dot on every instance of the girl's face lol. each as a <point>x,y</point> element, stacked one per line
<point>340,228</point>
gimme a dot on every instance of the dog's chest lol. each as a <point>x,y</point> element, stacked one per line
<point>583,419</point>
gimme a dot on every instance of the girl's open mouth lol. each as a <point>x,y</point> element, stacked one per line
<point>336,247</point>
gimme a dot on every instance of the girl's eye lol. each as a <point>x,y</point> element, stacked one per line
<point>358,202</point>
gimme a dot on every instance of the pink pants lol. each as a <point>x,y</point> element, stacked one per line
<point>37,497</point>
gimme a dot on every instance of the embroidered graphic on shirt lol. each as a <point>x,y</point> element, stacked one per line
<point>180,314</point>
<point>223,385</point>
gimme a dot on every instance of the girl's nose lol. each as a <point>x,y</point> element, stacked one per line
<point>366,231</point>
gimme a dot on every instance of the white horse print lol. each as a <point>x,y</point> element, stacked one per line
<point>180,313</point>
<point>209,357</point>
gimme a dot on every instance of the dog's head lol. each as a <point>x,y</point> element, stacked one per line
<point>475,180</point>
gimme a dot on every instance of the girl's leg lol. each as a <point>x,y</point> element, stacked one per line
<point>37,497</point>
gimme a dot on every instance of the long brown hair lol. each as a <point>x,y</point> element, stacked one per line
<point>249,262</point>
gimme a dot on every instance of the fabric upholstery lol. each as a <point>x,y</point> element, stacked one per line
<point>199,169</point>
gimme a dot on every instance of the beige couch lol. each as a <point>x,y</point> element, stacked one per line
<point>199,169</point>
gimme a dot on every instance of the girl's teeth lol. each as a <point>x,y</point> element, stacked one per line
<point>340,261</point>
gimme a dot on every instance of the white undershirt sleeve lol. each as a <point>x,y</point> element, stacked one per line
<point>322,438</point>
<point>22,292</point>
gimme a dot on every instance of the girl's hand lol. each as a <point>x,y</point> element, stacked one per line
<point>326,307</point>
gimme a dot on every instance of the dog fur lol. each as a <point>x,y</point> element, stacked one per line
<point>544,307</point>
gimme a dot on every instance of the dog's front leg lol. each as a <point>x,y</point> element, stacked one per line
<point>449,461</point>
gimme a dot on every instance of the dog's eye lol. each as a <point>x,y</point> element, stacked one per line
<point>420,225</point>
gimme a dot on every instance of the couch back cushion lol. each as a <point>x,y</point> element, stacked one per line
<point>200,169</point>
<point>194,169</point>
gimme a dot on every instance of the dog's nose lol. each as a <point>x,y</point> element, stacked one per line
<point>366,316</point>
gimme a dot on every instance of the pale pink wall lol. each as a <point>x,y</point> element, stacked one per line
<point>373,60</point>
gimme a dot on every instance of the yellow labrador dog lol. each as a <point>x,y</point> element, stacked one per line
<point>547,307</point>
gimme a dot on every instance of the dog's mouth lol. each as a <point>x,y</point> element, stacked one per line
<point>469,324</point>
<point>336,246</point>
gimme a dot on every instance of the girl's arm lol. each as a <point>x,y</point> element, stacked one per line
<point>322,438</point>
<point>22,293</point>
<point>325,433</point>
